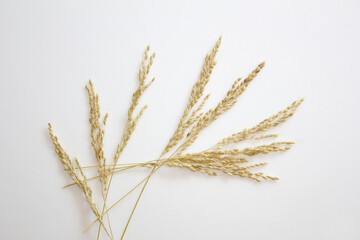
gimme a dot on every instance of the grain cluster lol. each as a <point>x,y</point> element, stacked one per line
<point>224,157</point>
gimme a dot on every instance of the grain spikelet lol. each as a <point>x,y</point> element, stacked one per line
<point>131,121</point>
<point>81,182</point>
<point>264,125</point>
<point>196,93</point>
<point>225,104</point>
<point>97,132</point>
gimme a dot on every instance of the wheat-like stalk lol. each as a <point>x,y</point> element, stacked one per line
<point>71,169</point>
<point>223,157</point>
<point>97,132</point>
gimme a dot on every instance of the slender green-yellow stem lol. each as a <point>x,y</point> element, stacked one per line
<point>136,186</point>
<point>154,169</point>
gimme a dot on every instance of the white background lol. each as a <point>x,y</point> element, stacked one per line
<point>50,49</point>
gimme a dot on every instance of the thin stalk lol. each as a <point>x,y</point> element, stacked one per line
<point>137,185</point>
<point>154,169</point>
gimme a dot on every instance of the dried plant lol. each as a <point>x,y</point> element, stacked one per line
<point>221,157</point>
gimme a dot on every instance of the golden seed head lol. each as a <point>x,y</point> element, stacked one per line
<point>220,158</point>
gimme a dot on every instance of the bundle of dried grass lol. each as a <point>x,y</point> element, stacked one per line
<point>218,158</point>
